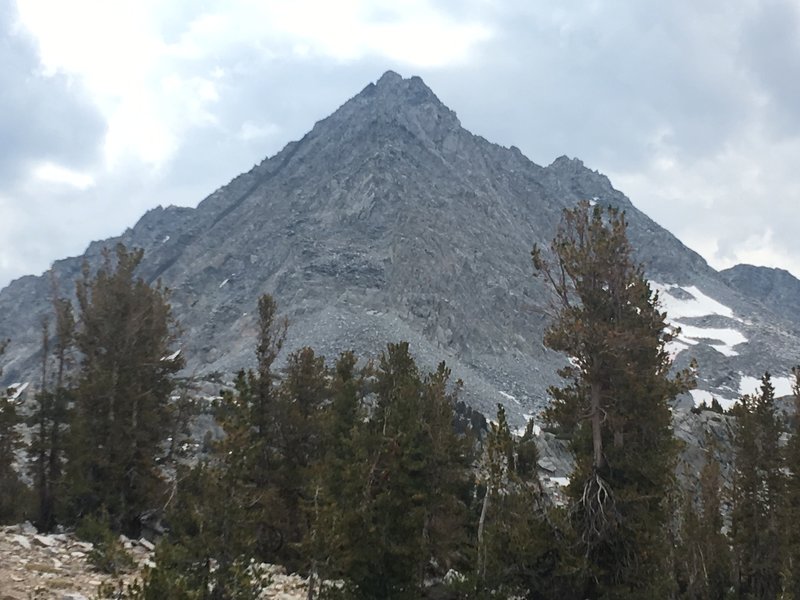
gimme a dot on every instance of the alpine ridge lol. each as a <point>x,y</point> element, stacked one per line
<point>389,221</point>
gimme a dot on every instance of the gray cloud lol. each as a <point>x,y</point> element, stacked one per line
<point>42,118</point>
<point>771,52</point>
<point>603,85</point>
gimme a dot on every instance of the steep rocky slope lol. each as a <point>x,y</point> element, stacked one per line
<point>390,221</point>
<point>777,289</point>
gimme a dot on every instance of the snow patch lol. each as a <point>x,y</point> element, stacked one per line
<point>784,386</point>
<point>520,431</point>
<point>726,338</point>
<point>173,356</point>
<point>698,305</point>
<point>704,396</point>
<point>675,347</point>
<point>561,481</point>
<point>165,240</point>
<point>508,396</point>
<point>689,302</point>
<point>16,390</point>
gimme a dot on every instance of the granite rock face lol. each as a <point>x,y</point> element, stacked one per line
<point>389,221</point>
<point>777,289</point>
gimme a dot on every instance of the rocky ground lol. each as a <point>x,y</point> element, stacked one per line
<point>57,567</point>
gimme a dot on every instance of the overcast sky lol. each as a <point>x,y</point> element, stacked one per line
<point>107,109</point>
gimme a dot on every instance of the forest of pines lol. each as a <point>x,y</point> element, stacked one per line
<point>368,476</point>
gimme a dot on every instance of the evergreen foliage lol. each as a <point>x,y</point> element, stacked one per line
<point>121,417</point>
<point>521,543</point>
<point>206,555</point>
<point>357,473</point>
<point>13,493</point>
<point>704,570</point>
<point>108,554</point>
<point>758,487</point>
<point>50,416</point>
<point>400,513</point>
<point>614,402</point>
<point>792,501</point>
<point>338,477</point>
<point>250,453</point>
<point>298,425</point>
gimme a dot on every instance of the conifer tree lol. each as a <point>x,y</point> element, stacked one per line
<point>50,416</point>
<point>250,452</point>
<point>520,545</point>
<point>338,478</point>
<point>230,509</point>
<point>792,503</point>
<point>13,493</point>
<point>758,487</point>
<point>299,430</point>
<point>121,418</point>
<point>704,560</point>
<point>206,554</point>
<point>403,503</point>
<point>497,457</point>
<point>614,401</point>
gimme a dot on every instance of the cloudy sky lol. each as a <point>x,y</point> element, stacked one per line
<point>692,108</point>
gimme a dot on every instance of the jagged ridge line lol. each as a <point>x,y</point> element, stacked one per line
<point>228,210</point>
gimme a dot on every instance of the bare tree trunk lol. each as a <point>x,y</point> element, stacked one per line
<point>481,523</point>
<point>313,576</point>
<point>598,461</point>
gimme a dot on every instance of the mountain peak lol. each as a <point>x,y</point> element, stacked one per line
<point>394,89</point>
<point>394,100</point>
<point>390,78</point>
<point>390,221</point>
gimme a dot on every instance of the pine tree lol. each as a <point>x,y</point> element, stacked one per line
<point>614,401</point>
<point>13,493</point>
<point>229,510</point>
<point>450,482</point>
<point>250,453</point>
<point>50,417</point>
<point>497,457</point>
<point>704,560</point>
<point>521,548</point>
<point>338,477</point>
<point>299,430</point>
<point>401,505</point>
<point>758,487</point>
<point>121,417</point>
<point>206,554</point>
<point>792,503</point>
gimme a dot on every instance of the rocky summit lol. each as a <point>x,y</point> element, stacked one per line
<point>389,221</point>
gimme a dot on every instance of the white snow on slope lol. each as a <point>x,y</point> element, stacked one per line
<point>508,396</point>
<point>675,347</point>
<point>15,390</point>
<point>747,385</point>
<point>726,338</point>
<point>701,396</point>
<point>520,431</point>
<point>752,385</point>
<point>696,304</point>
<point>172,356</point>
<point>699,305</point>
